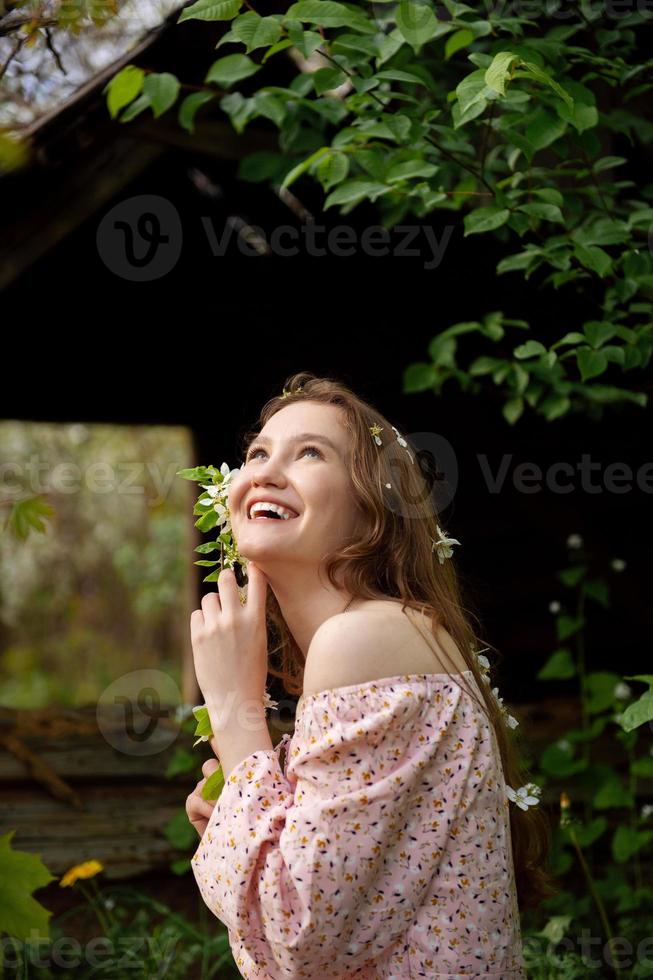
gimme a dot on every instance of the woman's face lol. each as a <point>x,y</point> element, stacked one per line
<point>299,460</point>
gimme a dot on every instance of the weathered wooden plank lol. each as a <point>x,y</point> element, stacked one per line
<point>123,827</point>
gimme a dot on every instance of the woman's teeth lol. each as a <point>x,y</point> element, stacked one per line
<point>261,508</point>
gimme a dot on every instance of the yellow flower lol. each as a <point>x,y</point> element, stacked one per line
<point>86,870</point>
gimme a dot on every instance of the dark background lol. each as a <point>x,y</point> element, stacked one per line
<point>207,344</point>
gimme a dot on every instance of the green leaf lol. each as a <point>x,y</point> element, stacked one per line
<point>643,768</point>
<point>410,168</point>
<point>597,332</point>
<point>554,405</point>
<point>600,686</point>
<point>627,842</point>
<point>456,41</point>
<point>416,22</point>
<point>568,625</point>
<point>612,795</point>
<point>638,713</point>
<point>305,165</point>
<point>587,834</point>
<point>560,666</point>
<point>123,88</point>
<point>21,873</point>
<point>25,515</point>
<point>572,576</point>
<point>327,13</point>
<point>485,219</point>
<point>500,70</point>
<point>233,68</point>
<point>214,785</point>
<point>543,129</point>
<point>201,713</point>
<point>161,89</point>
<point>355,190</point>
<point>582,116</point>
<point>262,165</point>
<point>512,409</point>
<point>521,260</point>
<point>591,363</point>
<point>471,89</point>
<point>542,76</point>
<point>593,258</point>
<point>418,377</point>
<point>211,10</point>
<point>332,169</point>
<point>189,106</point>
<point>559,762</point>
<point>395,75</point>
<point>181,866</point>
<point>181,761</point>
<point>256,31</point>
<point>180,832</point>
<point>597,589</point>
<point>547,212</point>
<point>486,365</point>
<point>532,348</point>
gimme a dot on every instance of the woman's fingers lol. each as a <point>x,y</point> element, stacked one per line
<point>210,766</point>
<point>198,809</point>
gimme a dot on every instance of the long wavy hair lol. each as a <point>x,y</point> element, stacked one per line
<point>393,557</point>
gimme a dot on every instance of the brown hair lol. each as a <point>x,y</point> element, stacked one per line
<point>408,571</point>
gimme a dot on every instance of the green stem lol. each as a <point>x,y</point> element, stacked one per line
<point>582,676</point>
<point>595,895</point>
<point>96,906</point>
<point>632,786</point>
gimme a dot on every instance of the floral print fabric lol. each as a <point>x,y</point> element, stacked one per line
<point>383,849</point>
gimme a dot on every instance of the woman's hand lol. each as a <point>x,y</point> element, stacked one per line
<point>198,809</point>
<point>229,641</point>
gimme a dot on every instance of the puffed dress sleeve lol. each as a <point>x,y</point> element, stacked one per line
<point>318,871</point>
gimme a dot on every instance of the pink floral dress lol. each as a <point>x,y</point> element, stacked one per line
<point>383,849</point>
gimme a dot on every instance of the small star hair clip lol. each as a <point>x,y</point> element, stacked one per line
<point>375,430</point>
<point>288,392</point>
<point>443,545</point>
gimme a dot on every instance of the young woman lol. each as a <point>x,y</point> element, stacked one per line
<point>388,846</point>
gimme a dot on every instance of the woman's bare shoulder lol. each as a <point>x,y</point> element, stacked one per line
<point>377,640</point>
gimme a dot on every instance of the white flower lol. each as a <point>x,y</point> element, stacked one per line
<point>400,438</point>
<point>622,691</point>
<point>618,564</point>
<point>554,607</point>
<point>402,442</point>
<point>510,721</point>
<point>268,702</point>
<point>574,541</point>
<point>389,486</point>
<point>525,796</point>
<point>443,545</point>
<point>647,811</point>
<point>484,665</point>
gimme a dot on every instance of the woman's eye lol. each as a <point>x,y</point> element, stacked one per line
<point>253,453</point>
<point>313,449</point>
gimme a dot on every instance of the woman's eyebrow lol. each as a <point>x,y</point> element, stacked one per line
<point>302,435</point>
